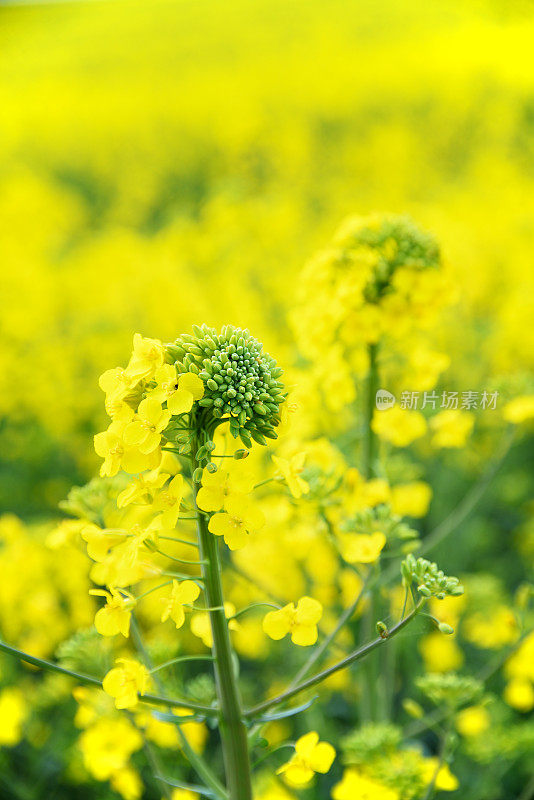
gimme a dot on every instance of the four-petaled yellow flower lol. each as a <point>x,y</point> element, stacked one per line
<point>116,384</point>
<point>144,431</point>
<point>141,489</point>
<point>167,501</point>
<point>179,392</point>
<point>301,621</point>
<point>291,469</point>
<point>362,548</point>
<point>218,487</point>
<point>240,518</point>
<point>147,356</point>
<point>126,682</point>
<point>110,446</point>
<point>115,616</point>
<point>311,756</point>
<point>182,593</point>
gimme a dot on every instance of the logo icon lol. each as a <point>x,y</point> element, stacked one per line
<point>384,399</point>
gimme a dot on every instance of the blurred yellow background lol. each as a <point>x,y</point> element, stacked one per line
<point>164,163</point>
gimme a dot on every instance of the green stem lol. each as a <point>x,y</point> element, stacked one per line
<point>372,675</point>
<point>196,761</point>
<point>233,730</point>
<point>431,788</point>
<point>91,681</point>
<point>345,662</point>
<point>179,660</point>
<point>369,444</point>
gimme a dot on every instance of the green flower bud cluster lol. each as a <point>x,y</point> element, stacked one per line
<point>431,581</point>
<point>241,381</point>
<point>454,690</point>
<point>395,241</point>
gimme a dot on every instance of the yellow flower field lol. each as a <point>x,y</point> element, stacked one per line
<point>266,423</point>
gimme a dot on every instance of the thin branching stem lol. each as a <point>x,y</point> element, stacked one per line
<point>326,673</point>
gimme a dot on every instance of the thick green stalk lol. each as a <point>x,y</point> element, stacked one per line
<point>369,443</point>
<point>232,727</point>
<point>196,760</point>
<point>369,702</point>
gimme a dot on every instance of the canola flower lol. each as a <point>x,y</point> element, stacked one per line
<point>310,756</point>
<point>74,178</point>
<point>170,401</point>
<point>300,621</point>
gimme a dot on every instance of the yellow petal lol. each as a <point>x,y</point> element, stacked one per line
<point>192,384</point>
<point>180,402</point>
<point>309,611</point>
<point>305,746</point>
<point>276,625</point>
<point>188,591</point>
<point>304,635</point>
<point>322,757</point>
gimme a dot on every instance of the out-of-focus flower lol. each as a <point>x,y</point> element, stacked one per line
<point>13,712</point>
<point>356,786</point>
<point>399,426</point>
<point>362,548</point>
<point>520,409</point>
<point>472,721</point>
<point>126,682</point>
<point>451,428</point>
<point>291,469</point>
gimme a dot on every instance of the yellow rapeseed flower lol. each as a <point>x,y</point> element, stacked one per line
<point>13,712</point>
<point>166,503</point>
<point>311,756</point>
<point>147,356</point>
<point>451,428</point>
<point>144,430</point>
<point>472,721</point>
<point>179,392</point>
<point>141,488</point>
<point>301,621</point>
<point>126,682</point>
<point>218,487</point>
<point>445,781</point>
<point>356,786</point>
<point>411,499</point>
<point>291,469</point>
<point>362,548</point>
<point>398,425</point>
<point>117,454</point>
<point>182,593</point>
<point>520,409</point>
<point>241,517</point>
<point>519,693</point>
<point>116,615</point>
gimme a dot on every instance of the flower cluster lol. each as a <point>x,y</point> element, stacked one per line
<point>241,381</point>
